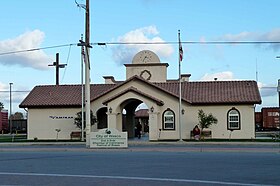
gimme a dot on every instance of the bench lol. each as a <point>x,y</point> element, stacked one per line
<point>75,135</point>
<point>275,136</point>
<point>204,134</point>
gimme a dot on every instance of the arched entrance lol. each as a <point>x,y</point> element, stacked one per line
<point>128,116</point>
<point>102,118</point>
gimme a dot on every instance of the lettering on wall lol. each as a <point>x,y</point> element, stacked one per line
<point>61,117</point>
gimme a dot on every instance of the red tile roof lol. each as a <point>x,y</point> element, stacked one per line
<point>195,93</point>
<point>141,113</point>
<point>61,95</point>
<point>226,92</point>
<point>135,90</point>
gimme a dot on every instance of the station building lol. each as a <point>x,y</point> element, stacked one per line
<point>52,107</point>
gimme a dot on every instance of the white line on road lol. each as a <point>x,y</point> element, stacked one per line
<point>133,178</point>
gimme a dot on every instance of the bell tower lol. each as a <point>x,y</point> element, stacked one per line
<point>146,64</point>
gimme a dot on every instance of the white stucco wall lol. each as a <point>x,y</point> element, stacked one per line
<point>42,123</point>
<point>219,130</point>
<point>158,73</point>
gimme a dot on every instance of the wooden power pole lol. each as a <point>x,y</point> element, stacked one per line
<point>87,46</point>
<point>87,75</point>
<point>57,67</point>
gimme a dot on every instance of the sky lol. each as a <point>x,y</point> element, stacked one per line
<point>31,24</point>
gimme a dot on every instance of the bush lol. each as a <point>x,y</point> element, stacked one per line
<point>78,119</point>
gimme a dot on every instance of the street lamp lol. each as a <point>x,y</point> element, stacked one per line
<point>11,127</point>
<point>278,90</point>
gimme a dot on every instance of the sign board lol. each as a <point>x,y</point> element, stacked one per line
<point>108,138</point>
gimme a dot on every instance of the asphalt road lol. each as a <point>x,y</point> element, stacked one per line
<point>140,165</point>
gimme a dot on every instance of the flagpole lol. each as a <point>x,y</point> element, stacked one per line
<point>180,87</point>
<point>82,85</point>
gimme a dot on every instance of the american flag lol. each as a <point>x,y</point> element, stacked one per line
<point>181,52</point>
<point>83,54</point>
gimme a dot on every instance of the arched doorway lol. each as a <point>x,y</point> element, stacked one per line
<point>142,117</point>
<point>102,118</point>
<point>129,122</point>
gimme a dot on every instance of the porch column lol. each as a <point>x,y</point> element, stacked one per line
<point>130,123</point>
<point>153,125</point>
<point>112,120</point>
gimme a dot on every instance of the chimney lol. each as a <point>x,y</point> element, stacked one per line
<point>185,77</point>
<point>109,79</point>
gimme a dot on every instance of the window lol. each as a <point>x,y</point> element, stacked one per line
<point>168,120</point>
<point>233,119</point>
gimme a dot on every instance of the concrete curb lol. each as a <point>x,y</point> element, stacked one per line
<point>149,143</point>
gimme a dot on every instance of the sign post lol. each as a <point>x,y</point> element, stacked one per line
<point>108,138</point>
<point>278,90</point>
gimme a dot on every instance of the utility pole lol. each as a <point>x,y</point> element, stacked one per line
<point>82,85</point>
<point>57,66</point>
<point>87,75</point>
<point>278,90</point>
<point>87,46</point>
<point>11,124</point>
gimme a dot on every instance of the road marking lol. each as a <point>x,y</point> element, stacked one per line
<point>134,178</point>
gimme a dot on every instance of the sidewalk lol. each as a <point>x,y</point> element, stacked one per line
<point>145,142</point>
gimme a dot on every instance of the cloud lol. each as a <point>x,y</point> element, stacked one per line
<point>267,90</point>
<point>227,75</point>
<point>3,86</point>
<point>270,36</point>
<point>124,53</point>
<point>17,96</point>
<point>239,37</point>
<point>29,40</point>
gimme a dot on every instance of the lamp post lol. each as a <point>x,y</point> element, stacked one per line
<point>278,90</point>
<point>11,125</point>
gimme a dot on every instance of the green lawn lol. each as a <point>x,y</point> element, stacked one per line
<point>13,138</point>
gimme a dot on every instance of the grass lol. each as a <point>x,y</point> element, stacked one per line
<point>239,140</point>
<point>13,138</point>
<point>23,138</point>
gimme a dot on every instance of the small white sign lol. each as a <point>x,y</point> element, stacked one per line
<point>108,138</point>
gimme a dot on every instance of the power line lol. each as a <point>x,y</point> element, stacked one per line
<point>35,49</point>
<point>7,91</point>
<point>68,56</point>
<point>148,43</point>
<point>188,42</point>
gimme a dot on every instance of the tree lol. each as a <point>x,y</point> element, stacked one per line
<point>78,119</point>
<point>205,121</point>
<point>1,106</point>
<point>17,115</point>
